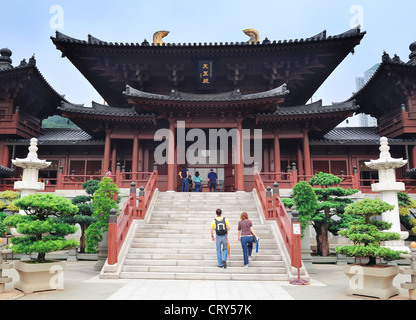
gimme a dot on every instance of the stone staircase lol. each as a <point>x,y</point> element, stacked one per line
<point>175,242</point>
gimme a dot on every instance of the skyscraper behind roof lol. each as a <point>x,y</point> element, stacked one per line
<point>362,120</point>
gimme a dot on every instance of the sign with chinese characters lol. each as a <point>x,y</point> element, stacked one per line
<point>206,74</point>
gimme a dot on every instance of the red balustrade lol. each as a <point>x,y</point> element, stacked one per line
<point>274,209</point>
<point>134,208</point>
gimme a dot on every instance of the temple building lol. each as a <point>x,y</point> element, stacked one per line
<point>251,100</point>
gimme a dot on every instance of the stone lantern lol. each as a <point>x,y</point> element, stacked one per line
<point>388,188</point>
<point>31,166</point>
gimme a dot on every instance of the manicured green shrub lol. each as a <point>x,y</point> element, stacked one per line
<point>104,199</point>
<point>319,206</point>
<point>407,216</point>
<point>43,231</point>
<point>84,217</point>
<point>367,233</point>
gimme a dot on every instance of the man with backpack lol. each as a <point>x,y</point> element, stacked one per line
<point>221,225</point>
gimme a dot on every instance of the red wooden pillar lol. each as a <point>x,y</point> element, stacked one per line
<point>133,204</point>
<point>171,155</point>
<point>59,178</point>
<point>135,156</point>
<point>119,179</point>
<point>307,153</point>
<point>277,167</point>
<point>114,159</point>
<point>112,238</point>
<point>300,160</point>
<point>355,178</point>
<point>6,156</point>
<point>141,207</point>
<point>270,205</point>
<point>107,152</point>
<point>240,161</point>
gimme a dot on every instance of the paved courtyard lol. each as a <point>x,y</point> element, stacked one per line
<point>81,282</point>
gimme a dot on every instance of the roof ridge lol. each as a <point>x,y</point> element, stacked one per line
<point>322,36</point>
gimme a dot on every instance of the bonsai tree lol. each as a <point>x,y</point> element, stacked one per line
<point>3,229</point>
<point>319,206</point>
<point>407,216</point>
<point>367,233</point>
<point>90,186</point>
<point>85,210</point>
<point>104,199</point>
<point>43,231</point>
<point>8,197</point>
<point>306,202</point>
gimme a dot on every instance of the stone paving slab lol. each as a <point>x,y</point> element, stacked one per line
<point>81,282</point>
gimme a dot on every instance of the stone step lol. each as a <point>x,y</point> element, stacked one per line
<point>209,261</point>
<point>176,242</point>
<point>208,204</point>
<point>243,276</point>
<point>197,259</point>
<point>211,213</point>
<point>136,253</point>
<point>172,234</point>
<point>192,246</point>
<point>266,253</point>
<point>180,239</point>
<point>191,226</point>
<point>204,269</point>
<point>259,229</point>
<point>196,220</point>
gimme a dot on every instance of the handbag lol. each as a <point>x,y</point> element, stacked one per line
<point>254,237</point>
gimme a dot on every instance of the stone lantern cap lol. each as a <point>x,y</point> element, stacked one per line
<point>386,166</point>
<point>31,166</point>
<point>32,161</point>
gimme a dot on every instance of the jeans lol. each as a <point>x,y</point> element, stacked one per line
<point>222,249</point>
<point>212,185</point>
<point>198,187</point>
<point>185,182</point>
<point>247,244</point>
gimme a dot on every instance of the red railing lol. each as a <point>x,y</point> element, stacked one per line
<point>289,179</point>
<point>134,208</point>
<point>274,209</point>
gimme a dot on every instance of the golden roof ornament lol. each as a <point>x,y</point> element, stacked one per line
<point>158,36</point>
<point>253,34</point>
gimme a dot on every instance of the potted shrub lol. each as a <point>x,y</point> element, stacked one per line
<point>41,233</point>
<point>367,235</point>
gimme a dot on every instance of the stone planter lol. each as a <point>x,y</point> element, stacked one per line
<point>39,276</point>
<point>375,281</point>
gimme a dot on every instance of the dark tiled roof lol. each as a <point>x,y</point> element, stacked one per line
<point>227,96</point>
<point>411,173</point>
<point>31,83</point>
<point>31,65</point>
<point>5,172</point>
<point>322,36</point>
<point>61,136</point>
<point>385,65</point>
<point>99,109</point>
<point>310,109</point>
<point>356,135</point>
